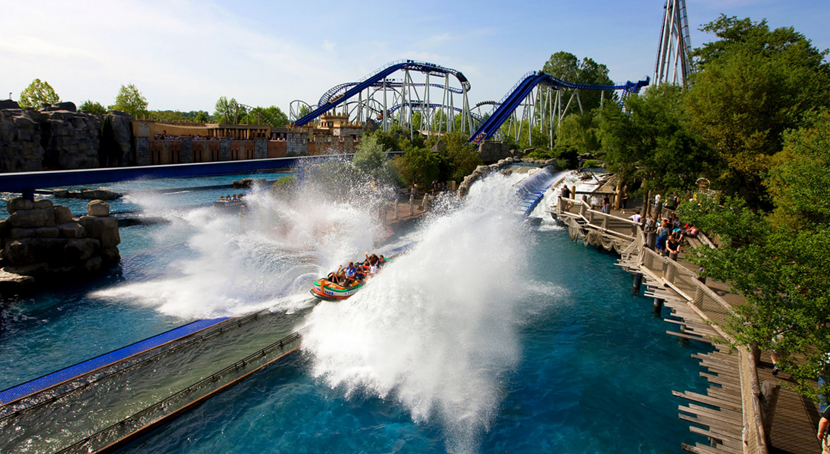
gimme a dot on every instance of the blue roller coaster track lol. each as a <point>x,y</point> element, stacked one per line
<point>338,90</point>
<point>373,78</point>
<point>523,88</point>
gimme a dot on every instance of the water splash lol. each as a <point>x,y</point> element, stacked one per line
<point>230,264</point>
<point>437,330</point>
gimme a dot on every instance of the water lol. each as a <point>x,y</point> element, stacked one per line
<point>488,335</point>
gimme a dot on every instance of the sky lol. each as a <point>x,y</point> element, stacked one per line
<point>185,54</point>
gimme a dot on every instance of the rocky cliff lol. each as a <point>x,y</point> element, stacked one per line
<point>58,138</point>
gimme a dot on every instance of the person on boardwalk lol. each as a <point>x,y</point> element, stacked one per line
<point>662,237</point>
<point>823,429</point>
<point>636,217</point>
<point>606,205</point>
<point>673,245</point>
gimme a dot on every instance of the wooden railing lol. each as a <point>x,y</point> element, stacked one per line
<point>703,300</point>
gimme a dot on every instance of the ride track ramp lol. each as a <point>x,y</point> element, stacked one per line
<point>531,190</point>
<point>375,77</point>
<point>522,89</point>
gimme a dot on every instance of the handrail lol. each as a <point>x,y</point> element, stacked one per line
<point>709,306</point>
<point>685,281</point>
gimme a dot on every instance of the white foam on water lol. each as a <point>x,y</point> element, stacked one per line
<point>233,264</point>
<point>437,330</point>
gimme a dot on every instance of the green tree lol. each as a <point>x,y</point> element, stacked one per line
<point>652,143</point>
<point>168,115</point>
<point>93,107</point>
<point>566,66</point>
<point>372,158</point>
<point>753,84</point>
<point>229,111</point>
<point>37,94</point>
<point>202,116</point>
<point>419,167</point>
<point>271,116</point>
<point>130,100</point>
<point>799,179</point>
<point>462,156</point>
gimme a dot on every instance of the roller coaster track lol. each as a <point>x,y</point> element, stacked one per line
<point>523,88</point>
<point>372,79</point>
<point>338,90</point>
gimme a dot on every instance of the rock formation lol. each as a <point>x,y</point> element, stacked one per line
<point>20,140</point>
<point>42,240</point>
<point>58,137</point>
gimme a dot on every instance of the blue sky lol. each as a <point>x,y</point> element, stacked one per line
<point>184,54</point>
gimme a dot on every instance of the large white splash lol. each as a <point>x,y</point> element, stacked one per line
<point>230,265</point>
<point>436,330</point>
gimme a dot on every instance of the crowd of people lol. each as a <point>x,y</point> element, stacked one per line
<point>352,274</point>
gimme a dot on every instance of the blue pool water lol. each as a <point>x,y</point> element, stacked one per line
<point>550,354</point>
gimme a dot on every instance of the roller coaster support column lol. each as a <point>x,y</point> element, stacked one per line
<point>425,112</point>
<point>385,126</point>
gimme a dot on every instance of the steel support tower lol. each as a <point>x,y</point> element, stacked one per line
<point>673,65</point>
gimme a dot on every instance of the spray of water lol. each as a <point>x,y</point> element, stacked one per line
<point>229,264</point>
<point>437,329</point>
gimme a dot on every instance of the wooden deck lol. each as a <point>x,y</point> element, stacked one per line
<point>719,418</point>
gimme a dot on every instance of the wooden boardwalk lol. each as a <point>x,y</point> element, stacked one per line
<point>718,414</point>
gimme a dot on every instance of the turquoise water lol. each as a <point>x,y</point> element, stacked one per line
<point>159,194</point>
<point>568,360</point>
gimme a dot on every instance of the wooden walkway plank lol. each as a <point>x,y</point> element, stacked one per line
<point>708,400</point>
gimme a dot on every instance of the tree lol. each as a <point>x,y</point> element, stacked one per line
<point>229,111</point>
<point>652,143</point>
<point>271,116</point>
<point>202,116</point>
<point>37,94</point>
<point>566,66</point>
<point>462,156</point>
<point>372,158</point>
<point>130,100</point>
<point>168,115</point>
<point>419,167</point>
<point>93,107</point>
<point>799,179</point>
<point>753,84</point>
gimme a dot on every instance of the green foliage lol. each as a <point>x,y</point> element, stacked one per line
<point>37,94</point>
<point>130,100</point>
<point>167,115</point>
<point>462,157</point>
<point>372,159</point>
<point>754,84</point>
<point>783,276</point>
<point>419,167</point>
<point>228,111</point>
<point>286,184</point>
<point>93,107</point>
<point>202,116</point>
<point>592,164</point>
<point>567,67</point>
<point>272,116</point>
<point>652,142</point>
<point>799,180</point>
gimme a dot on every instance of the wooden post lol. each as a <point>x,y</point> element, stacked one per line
<point>651,239</point>
<point>618,196</point>
<point>658,306</point>
<point>769,393</point>
<point>647,205</point>
<point>638,282</point>
<point>605,222</point>
<point>659,210</point>
<point>756,353</point>
<point>412,203</point>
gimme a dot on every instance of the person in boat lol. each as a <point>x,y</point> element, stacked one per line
<point>371,264</point>
<point>381,261</point>
<point>337,277</point>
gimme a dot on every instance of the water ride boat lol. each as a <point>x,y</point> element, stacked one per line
<point>327,290</point>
